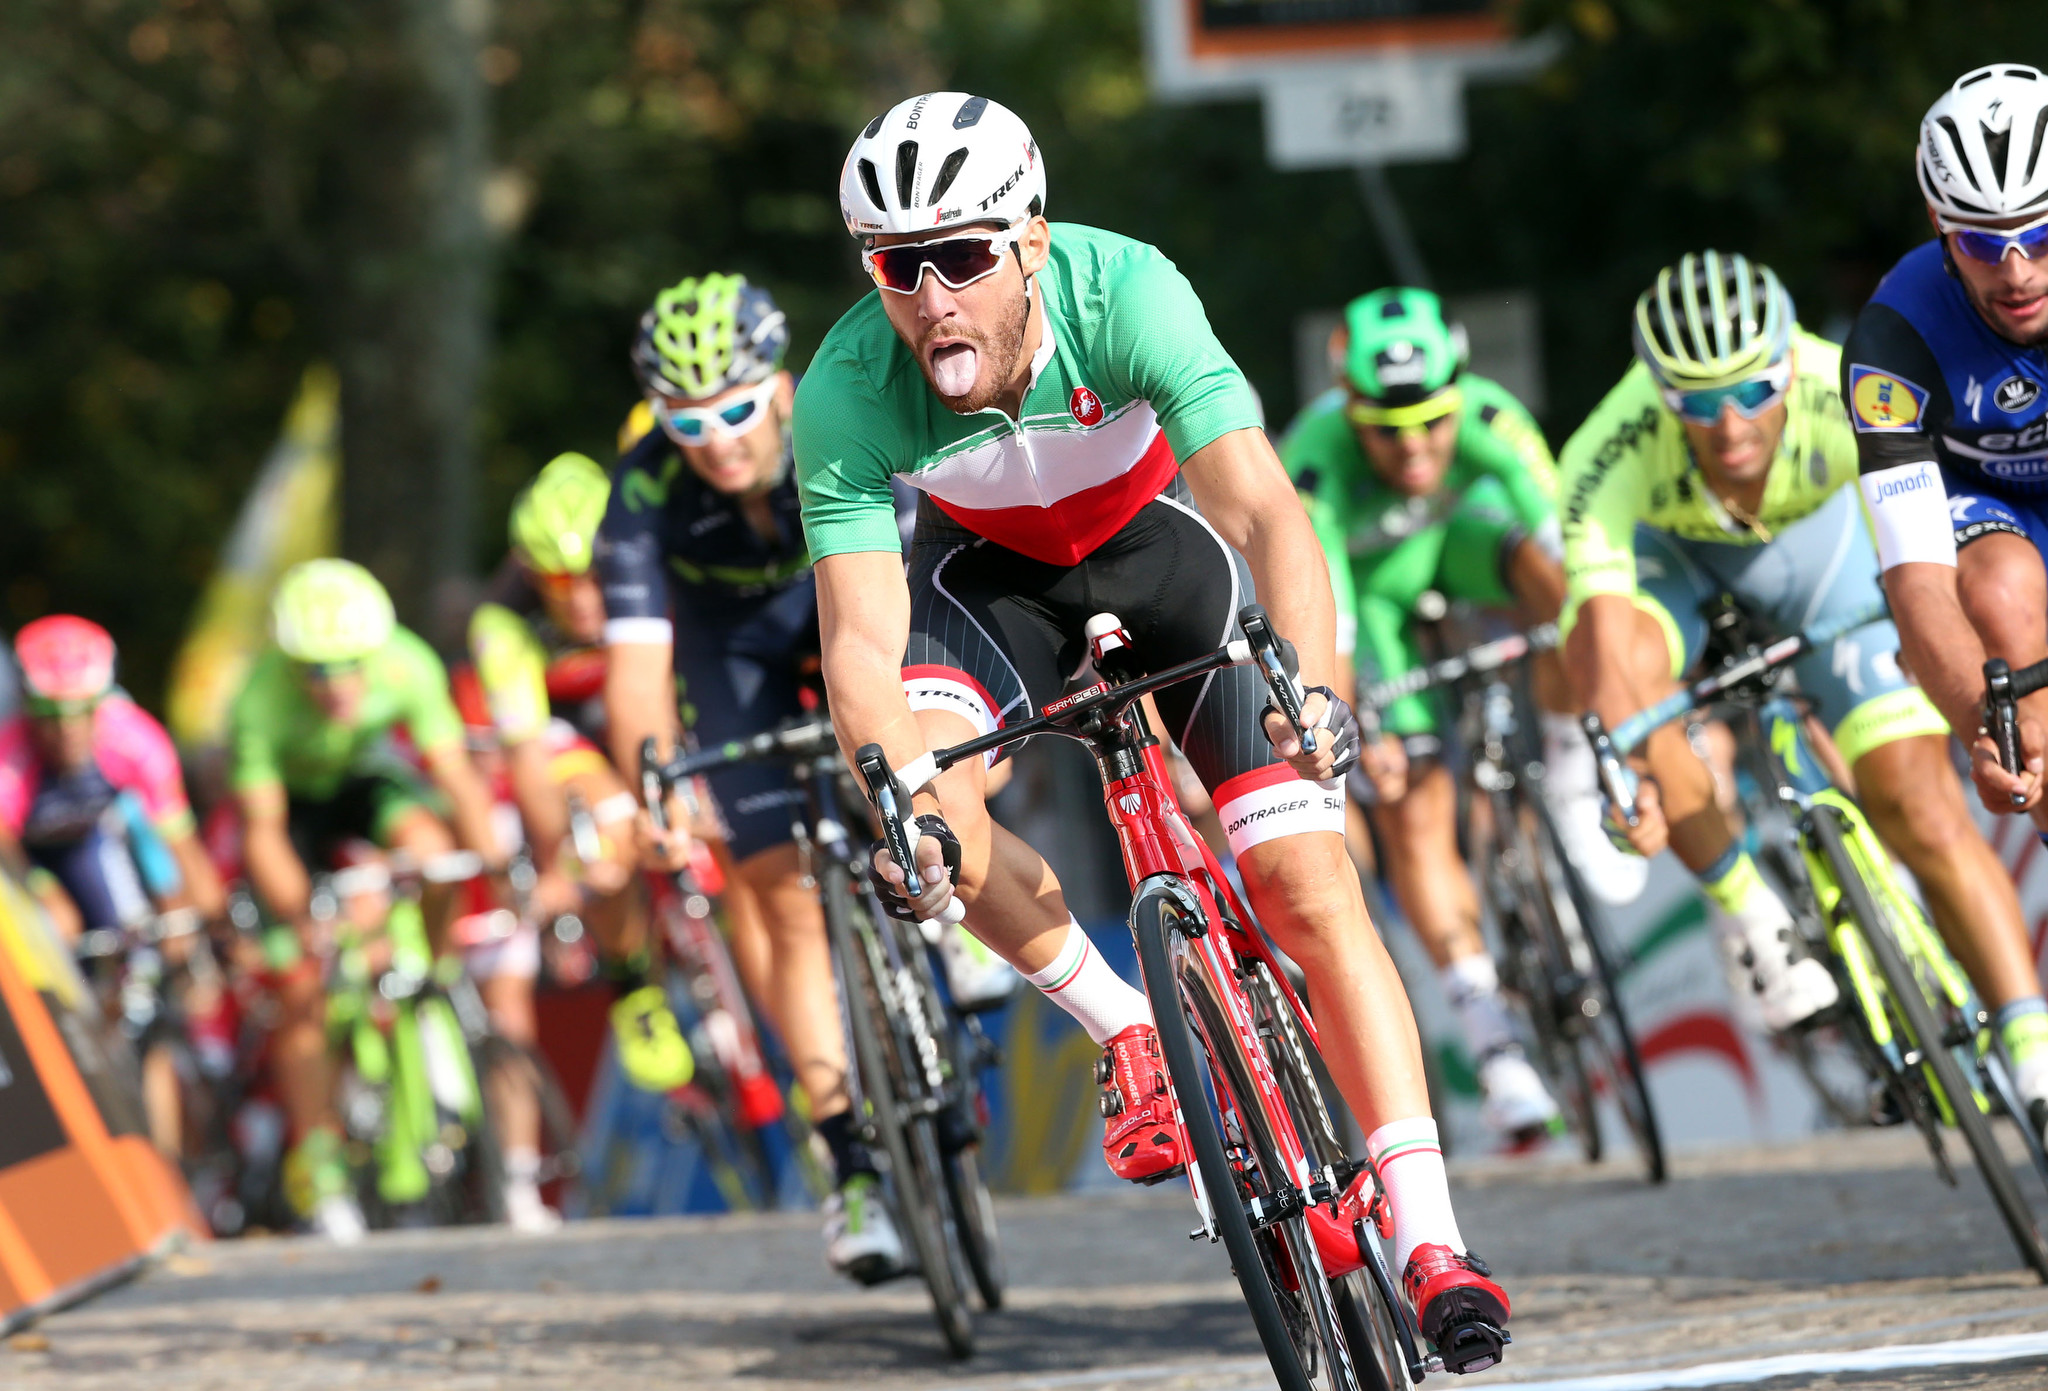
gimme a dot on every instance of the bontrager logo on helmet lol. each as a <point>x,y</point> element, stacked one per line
<point>65,658</point>
<point>938,158</point>
<point>1981,156</point>
<point>555,518</point>
<point>331,611</point>
<point>1713,319</point>
<point>705,334</point>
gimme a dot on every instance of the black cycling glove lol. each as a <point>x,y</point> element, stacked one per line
<point>1337,721</point>
<point>892,895</point>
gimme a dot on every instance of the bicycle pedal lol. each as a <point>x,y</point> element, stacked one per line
<point>1175,1172</point>
<point>1471,1344</point>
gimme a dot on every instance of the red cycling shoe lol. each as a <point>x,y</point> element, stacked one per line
<point>1462,1312</point>
<point>1141,1138</point>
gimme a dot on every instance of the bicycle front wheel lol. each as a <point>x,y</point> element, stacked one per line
<point>907,1143</point>
<point>1908,998</point>
<point>1276,1264</point>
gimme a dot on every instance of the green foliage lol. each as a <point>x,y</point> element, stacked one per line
<point>166,169</point>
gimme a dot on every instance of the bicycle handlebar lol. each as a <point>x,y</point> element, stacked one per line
<point>1487,656</point>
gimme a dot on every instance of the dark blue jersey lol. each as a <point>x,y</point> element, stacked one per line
<point>1926,379</point>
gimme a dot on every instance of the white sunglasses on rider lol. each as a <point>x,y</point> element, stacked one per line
<point>739,416</point>
<point>958,261</point>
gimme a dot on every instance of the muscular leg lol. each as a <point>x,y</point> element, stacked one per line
<point>515,1105</point>
<point>298,1052</point>
<point>803,998</point>
<point>2004,590</point>
<point>1428,876</point>
<point>423,835</point>
<point>1537,582</point>
<point>1910,792</point>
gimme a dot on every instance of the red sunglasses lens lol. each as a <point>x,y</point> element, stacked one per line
<point>957,262</point>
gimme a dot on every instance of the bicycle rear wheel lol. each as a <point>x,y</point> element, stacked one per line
<point>908,1144</point>
<point>1276,1264</point>
<point>1907,997</point>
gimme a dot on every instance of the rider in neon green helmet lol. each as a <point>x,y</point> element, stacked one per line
<point>331,612</point>
<point>554,520</point>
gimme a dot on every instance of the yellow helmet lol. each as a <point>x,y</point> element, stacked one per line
<point>331,611</point>
<point>554,521</point>
<point>1711,320</point>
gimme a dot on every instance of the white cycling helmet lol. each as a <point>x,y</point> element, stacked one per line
<point>1981,146</point>
<point>939,160</point>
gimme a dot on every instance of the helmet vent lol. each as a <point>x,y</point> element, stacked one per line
<point>874,126</point>
<point>1955,138</point>
<point>1996,143</point>
<point>870,181</point>
<point>906,171</point>
<point>2034,154</point>
<point>969,112</point>
<point>948,172</point>
<point>1974,78</point>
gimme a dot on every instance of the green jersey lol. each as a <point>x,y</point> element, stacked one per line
<point>1630,463</point>
<point>1127,380</point>
<point>1385,548</point>
<point>277,735</point>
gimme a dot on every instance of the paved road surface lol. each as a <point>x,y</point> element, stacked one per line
<point>1839,1245</point>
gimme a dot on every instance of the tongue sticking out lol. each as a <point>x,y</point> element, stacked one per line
<point>954,369</point>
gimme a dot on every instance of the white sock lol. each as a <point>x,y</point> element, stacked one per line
<point>1472,985</point>
<point>1568,767</point>
<point>522,1166</point>
<point>1411,1165</point>
<point>1080,982</point>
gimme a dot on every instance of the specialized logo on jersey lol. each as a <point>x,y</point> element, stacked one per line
<point>1881,401</point>
<point>1086,406</point>
<point>2015,394</point>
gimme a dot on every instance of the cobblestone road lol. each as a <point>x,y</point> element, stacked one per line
<point>1828,1249</point>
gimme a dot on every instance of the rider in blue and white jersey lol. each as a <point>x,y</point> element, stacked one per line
<point>1946,381</point>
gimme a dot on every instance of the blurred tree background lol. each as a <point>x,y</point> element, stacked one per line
<point>200,197</point>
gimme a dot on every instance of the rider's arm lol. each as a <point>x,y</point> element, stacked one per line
<point>511,668</point>
<point>863,627</point>
<point>203,888</point>
<point>275,870</point>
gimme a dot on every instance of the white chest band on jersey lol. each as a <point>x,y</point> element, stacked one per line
<point>1908,507</point>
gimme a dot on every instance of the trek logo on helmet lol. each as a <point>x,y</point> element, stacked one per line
<point>1086,406</point>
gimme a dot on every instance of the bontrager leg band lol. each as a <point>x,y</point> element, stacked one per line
<point>1080,982</point>
<point>1410,1161</point>
<point>1274,801</point>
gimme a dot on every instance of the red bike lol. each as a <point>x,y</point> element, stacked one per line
<point>1272,1177</point>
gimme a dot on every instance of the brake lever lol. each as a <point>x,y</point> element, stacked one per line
<point>2001,718</point>
<point>1287,693</point>
<point>1613,775</point>
<point>899,829</point>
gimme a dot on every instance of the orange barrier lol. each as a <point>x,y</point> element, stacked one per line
<point>84,1196</point>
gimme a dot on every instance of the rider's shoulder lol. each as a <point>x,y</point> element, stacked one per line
<point>1629,422</point>
<point>1319,435</point>
<point>1919,286</point>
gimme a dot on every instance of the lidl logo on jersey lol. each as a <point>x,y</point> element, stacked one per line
<point>1086,406</point>
<point>1881,401</point>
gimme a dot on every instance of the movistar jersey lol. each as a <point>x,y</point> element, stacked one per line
<point>529,669</point>
<point>1943,408</point>
<point>1630,463</point>
<point>667,534</point>
<point>278,735</point>
<point>1128,379</point>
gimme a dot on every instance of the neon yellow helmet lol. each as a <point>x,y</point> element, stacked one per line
<point>331,611</point>
<point>554,520</point>
<point>705,334</point>
<point>1712,320</point>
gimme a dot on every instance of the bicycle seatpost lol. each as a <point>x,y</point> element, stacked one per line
<point>1270,651</point>
<point>899,828</point>
<point>1614,780</point>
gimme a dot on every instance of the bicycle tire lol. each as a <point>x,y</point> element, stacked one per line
<point>1605,1028</point>
<point>1155,923</point>
<point>879,1066</point>
<point>1298,1066</point>
<point>1904,990</point>
<point>1532,974</point>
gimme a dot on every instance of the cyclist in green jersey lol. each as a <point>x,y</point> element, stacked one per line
<point>1724,462</point>
<point>312,764</point>
<point>1424,478</point>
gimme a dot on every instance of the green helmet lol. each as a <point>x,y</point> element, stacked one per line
<point>1403,358</point>
<point>554,520</point>
<point>705,334</point>
<point>1712,320</point>
<point>331,611</point>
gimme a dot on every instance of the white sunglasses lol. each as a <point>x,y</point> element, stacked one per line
<point>958,261</point>
<point>696,424</point>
